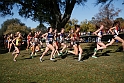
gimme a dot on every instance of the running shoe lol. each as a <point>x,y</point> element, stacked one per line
<point>52,59</point>
<point>94,56</point>
<point>59,54</point>
<point>41,60</point>
<point>80,61</point>
<point>35,53</point>
<point>14,60</point>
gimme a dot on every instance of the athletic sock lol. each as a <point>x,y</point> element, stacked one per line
<point>32,54</point>
<point>79,58</point>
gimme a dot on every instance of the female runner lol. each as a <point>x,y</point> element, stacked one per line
<point>98,33</point>
<point>49,44</point>
<point>17,45</point>
<point>115,31</point>
<point>62,41</point>
<point>10,38</point>
<point>77,48</point>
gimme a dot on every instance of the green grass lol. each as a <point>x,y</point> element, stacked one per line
<point>107,68</point>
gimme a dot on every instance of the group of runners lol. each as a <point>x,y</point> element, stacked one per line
<point>56,40</point>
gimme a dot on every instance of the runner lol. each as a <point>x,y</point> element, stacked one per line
<point>56,42</point>
<point>40,45</point>
<point>29,37</point>
<point>70,35</point>
<point>77,48</point>
<point>17,45</point>
<point>98,33</point>
<point>34,45</point>
<point>10,38</point>
<point>49,44</point>
<point>62,41</point>
<point>115,32</point>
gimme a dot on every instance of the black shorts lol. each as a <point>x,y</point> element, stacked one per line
<point>10,42</point>
<point>18,47</point>
<point>114,36</point>
<point>49,42</point>
<point>76,43</point>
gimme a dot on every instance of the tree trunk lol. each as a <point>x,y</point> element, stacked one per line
<point>60,21</point>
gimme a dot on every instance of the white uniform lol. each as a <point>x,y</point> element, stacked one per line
<point>116,32</point>
<point>99,38</point>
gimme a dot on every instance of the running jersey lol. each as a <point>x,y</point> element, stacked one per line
<point>76,36</point>
<point>36,40</point>
<point>29,38</point>
<point>10,38</point>
<point>71,34</point>
<point>50,38</point>
<point>100,33</point>
<point>18,41</point>
<point>56,37</point>
<point>116,31</point>
<point>62,36</point>
<point>98,39</point>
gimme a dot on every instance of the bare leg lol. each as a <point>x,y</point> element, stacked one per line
<point>80,52</point>
<point>53,50</point>
<point>64,47</point>
<point>28,44</point>
<point>111,42</point>
<point>49,46</point>
<point>46,50</point>
<point>16,52</point>
<point>75,52</point>
<point>100,45</point>
<point>33,50</point>
<point>56,49</point>
<point>120,40</point>
<point>10,46</point>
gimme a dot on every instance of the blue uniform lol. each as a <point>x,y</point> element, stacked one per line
<point>50,38</point>
<point>62,36</point>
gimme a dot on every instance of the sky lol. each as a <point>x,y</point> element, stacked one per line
<point>79,12</point>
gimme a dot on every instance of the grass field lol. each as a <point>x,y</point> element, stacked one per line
<point>107,68</point>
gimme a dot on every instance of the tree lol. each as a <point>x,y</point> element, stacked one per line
<point>70,24</point>
<point>8,22</point>
<point>14,25</point>
<point>121,20</point>
<point>42,28</point>
<point>55,12</point>
<point>87,26</point>
<point>107,14</point>
<point>84,26</point>
<point>107,1</point>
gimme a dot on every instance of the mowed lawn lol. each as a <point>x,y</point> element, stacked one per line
<point>107,68</point>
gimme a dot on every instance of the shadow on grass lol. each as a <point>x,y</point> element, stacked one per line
<point>88,51</point>
<point>105,53</point>
<point>33,82</point>
<point>120,49</point>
